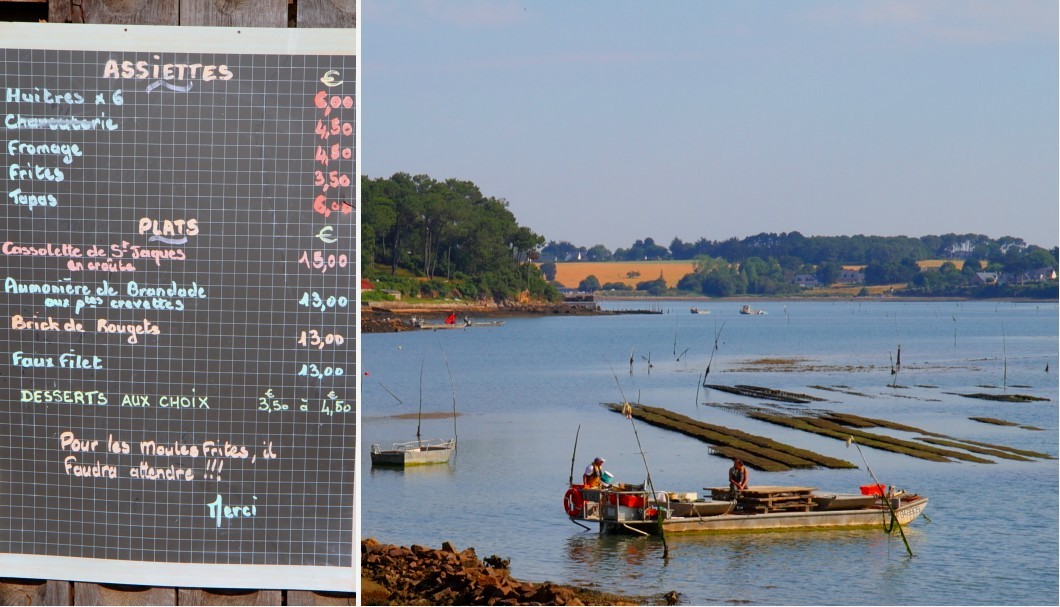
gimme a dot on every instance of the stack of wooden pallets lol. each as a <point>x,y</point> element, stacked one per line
<point>768,498</point>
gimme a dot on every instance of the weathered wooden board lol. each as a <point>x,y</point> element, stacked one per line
<point>309,598</point>
<point>35,592</point>
<point>234,13</point>
<point>118,12</point>
<point>208,598</point>
<point>105,594</point>
<point>326,13</point>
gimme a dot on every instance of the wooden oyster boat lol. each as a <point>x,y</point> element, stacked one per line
<point>756,508</point>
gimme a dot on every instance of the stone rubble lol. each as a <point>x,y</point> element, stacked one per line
<point>416,575</point>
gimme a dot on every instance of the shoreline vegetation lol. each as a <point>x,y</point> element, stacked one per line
<point>396,316</point>
<point>421,237</point>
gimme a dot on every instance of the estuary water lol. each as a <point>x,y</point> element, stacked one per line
<point>525,389</point>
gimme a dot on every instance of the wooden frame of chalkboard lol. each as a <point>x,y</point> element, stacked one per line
<point>178,324</point>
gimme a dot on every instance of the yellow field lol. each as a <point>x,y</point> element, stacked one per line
<point>569,274</point>
<point>934,264</point>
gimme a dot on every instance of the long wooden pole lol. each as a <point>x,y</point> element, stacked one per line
<point>419,416</point>
<point>452,387</point>
<point>570,481</point>
<point>627,410</point>
<point>886,499</point>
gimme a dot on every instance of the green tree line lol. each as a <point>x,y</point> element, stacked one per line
<point>766,263</point>
<point>445,238</point>
<point>433,238</point>
<point>815,250</point>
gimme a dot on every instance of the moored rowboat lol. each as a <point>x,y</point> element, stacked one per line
<point>414,453</point>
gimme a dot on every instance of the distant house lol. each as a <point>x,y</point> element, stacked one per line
<point>1032,276</point>
<point>1041,274</point>
<point>807,281</point>
<point>986,278</point>
<point>851,277</point>
<point>366,285</point>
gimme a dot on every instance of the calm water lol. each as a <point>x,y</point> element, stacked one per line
<point>524,389</point>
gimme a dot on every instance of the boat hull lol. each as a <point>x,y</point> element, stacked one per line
<point>771,521</point>
<point>758,508</point>
<point>407,454</point>
<point>843,501</point>
<point>700,509</point>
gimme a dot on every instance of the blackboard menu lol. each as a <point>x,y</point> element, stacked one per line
<point>178,319</point>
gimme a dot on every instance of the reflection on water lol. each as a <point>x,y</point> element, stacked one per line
<point>738,567</point>
<point>445,469</point>
<point>524,390</point>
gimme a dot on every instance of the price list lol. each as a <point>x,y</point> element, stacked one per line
<point>177,325</point>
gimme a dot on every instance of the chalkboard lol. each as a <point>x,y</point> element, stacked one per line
<point>179,308</point>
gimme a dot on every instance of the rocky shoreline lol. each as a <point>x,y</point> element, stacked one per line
<point>394,316</point>
<point>417,575</point>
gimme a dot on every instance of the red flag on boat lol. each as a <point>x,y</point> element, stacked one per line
<point>451,319</point>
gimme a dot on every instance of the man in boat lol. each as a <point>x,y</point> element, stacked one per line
<point>592,474</point>
<point>737,478</point>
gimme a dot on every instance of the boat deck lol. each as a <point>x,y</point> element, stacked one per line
<point>768,498</point>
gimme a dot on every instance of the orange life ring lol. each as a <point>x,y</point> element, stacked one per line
<point>573,501</point>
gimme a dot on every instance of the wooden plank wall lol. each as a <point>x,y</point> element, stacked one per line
<point>230,13</point>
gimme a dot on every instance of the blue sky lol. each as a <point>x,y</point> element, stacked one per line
<point>607,122</point>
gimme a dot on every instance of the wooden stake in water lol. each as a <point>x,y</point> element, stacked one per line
<point>675,334</point>
<point>699,385</point>
<point>896,367</point>
<point>717,336</point>
<point>1004,352</point>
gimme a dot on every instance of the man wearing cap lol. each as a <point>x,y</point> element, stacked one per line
<point>591,476</point>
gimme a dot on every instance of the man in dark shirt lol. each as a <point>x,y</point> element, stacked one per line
<point>737,478</point>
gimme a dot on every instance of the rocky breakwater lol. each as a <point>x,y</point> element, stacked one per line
<point>416,575</point>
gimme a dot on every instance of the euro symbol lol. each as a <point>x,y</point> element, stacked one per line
<point>329,78</point>
<point>325,235</point>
